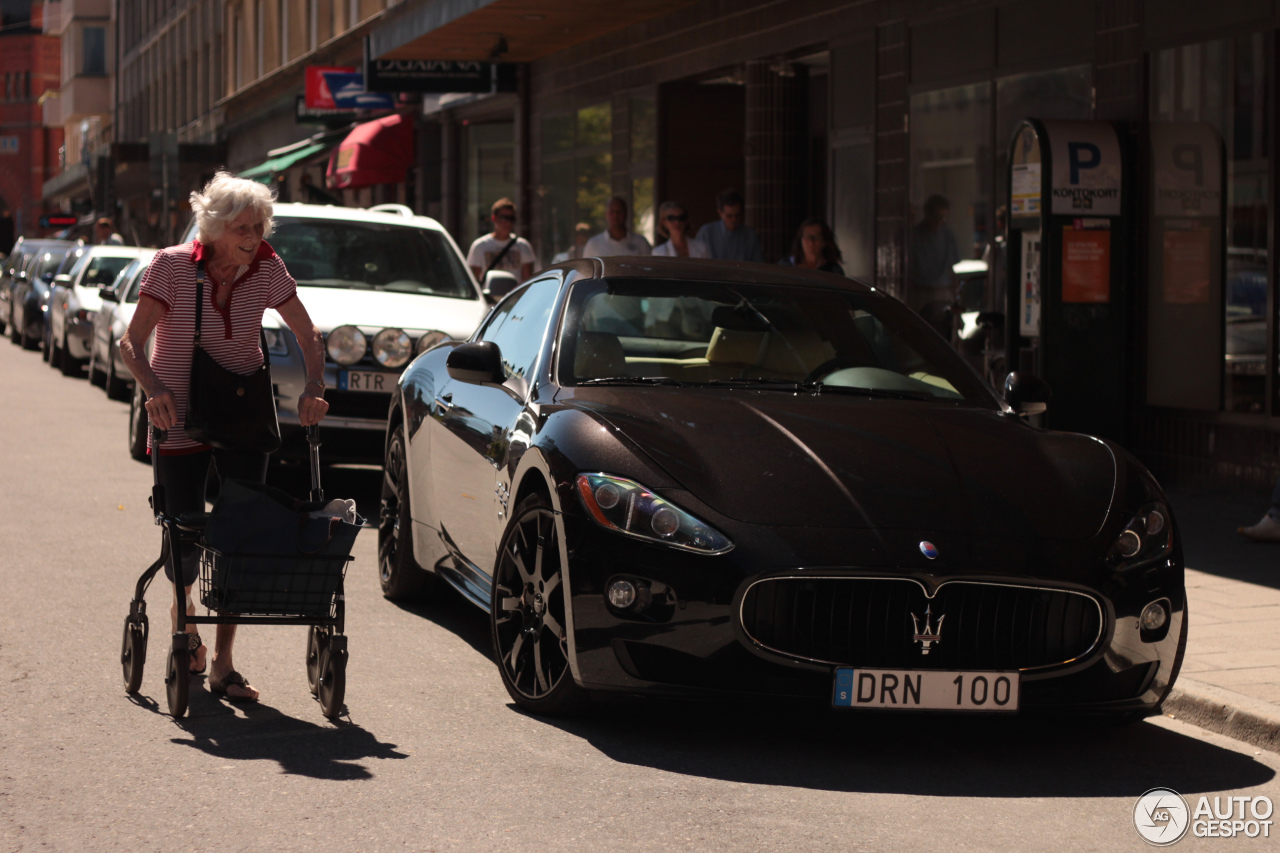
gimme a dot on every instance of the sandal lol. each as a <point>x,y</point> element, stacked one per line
<point>230,679</point>
<point>193,645</point>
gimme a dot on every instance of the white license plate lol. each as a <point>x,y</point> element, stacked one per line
<point>367,380</point>
<point>933,690</point>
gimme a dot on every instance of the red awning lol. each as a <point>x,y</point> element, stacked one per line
<point>376,152</point>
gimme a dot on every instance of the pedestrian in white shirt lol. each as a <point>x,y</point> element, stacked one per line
<point>501,250</point>
<point>616,240</point>
<point>673,223</point>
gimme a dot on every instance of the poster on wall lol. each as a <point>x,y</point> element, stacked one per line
<point>1188,265</point>
<point>1086,265</point>
<point>1087,170</point>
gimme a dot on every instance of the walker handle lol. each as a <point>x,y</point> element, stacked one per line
<point>313,440</point>
<point>158,437</point>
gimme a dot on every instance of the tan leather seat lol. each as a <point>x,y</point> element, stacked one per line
<point>768,354</point>
<point>599,355</point>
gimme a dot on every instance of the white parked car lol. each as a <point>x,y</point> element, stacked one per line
<point>383,285</point>
<point>119,300</point>
<point>75,299</point>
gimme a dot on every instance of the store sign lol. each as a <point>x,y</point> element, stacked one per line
<point>1087,170</point>
<point>439,76</point>
<point>308,115</point>
<point>58,220</point>
<point>8,145</point>
<point>1186,159</point>
<point>341,88</point>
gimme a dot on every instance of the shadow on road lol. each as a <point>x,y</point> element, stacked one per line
<point>300,747</point>
<point>922,755</point>
<point>446,607</point>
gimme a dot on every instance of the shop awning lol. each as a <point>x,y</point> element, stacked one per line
<point>376,152</point>
<point>469,29</point>
<point>264,172</point>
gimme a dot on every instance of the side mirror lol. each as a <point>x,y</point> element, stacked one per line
<point>62,278</point>
<point>107,294</point>
<point>497,284</point>
<point>478,363</point>
<point>1026,393</point>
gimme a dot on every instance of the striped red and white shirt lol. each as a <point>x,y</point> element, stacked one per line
<point>230,334</point>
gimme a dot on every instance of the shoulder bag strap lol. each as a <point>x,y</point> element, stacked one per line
<point>498,257</point>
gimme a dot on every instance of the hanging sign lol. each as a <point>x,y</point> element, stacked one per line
<point>1087,170</point>
<point>439,76</point>
<point>341,88</point>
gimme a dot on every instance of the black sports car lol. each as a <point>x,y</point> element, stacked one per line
<point>700,478</point>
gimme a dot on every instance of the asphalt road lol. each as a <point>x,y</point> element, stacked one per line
<point>432,756</point>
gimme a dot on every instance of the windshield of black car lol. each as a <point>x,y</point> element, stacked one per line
<point>370,256</point>
<point>715,334</point>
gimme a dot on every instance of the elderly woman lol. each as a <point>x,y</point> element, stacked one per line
<point>673,223</point>
<point>243,278</point>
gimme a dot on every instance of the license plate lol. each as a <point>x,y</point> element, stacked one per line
<point>367,380</point>
<point>933,690</point>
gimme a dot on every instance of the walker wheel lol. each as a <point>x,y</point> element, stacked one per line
<point>332,684</point>
<point>177,682</point>
<point>133,651</point>
<point>317,641</point>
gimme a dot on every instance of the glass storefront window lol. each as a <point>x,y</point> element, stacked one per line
<point>644,145</point>
<point>950,191</point>
<point>491,174</point>
<point>576,175</point>
<point>1224,84</point>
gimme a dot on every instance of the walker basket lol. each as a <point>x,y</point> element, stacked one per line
<point>271,584</point>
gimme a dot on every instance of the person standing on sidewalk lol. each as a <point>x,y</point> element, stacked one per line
<point>673,223</point>
<point>616,240</point>
<point>502,249</point>
<point>730,238</point>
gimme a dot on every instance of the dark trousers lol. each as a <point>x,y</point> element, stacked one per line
<point>183,478</point>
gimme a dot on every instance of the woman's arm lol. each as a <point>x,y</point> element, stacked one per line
<point>160,402</point>
<point>311,405</point>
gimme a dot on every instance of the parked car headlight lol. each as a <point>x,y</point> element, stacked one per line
<point>346,344</point>
<point>430,339</point>
<point>275,341</point>
<point>1147,537</point>
<point>392,347</point>
<point>629,508</point>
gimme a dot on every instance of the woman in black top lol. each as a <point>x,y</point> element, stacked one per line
<point>814,247</point>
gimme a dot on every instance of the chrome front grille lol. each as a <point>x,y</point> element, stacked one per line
<point>856,621</point>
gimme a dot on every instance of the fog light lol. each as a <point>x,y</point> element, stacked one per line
<point>1154,615</point>
<point>622,594</point>
<point>1129,544</point>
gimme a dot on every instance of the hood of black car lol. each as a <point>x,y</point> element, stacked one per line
<point>765,457</point>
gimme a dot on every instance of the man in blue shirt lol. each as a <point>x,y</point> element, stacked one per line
<point>731,239</point>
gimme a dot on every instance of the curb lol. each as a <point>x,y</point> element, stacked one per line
<point>1225,712</point>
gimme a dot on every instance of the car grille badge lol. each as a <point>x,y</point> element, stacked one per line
<point>929,549</point>
<point>931,633</point>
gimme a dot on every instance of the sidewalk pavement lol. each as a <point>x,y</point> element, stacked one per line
<point>1230,680</point>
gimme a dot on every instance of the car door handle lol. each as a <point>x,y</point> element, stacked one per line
<point>445,401</point>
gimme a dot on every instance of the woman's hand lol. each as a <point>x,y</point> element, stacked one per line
<point>162,409</point>
<point>311,407</point>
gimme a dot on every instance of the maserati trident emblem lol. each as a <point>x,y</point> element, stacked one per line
<point>931,634</point>
<point>929,550</point>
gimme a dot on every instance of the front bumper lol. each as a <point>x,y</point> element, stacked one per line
<point>689,641</point>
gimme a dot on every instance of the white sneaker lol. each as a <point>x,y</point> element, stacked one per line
<point>1267,530</point>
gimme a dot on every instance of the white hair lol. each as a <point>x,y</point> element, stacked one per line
<point>226,197</point>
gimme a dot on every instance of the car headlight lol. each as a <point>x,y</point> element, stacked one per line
<point>275,341</point>
<point>346,344</point>
<point>392,347</point>
<point>431,339</point>
<point>1147,537</point>
<point>629,508</point>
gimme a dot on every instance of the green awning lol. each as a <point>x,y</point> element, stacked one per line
<point>264,172</point>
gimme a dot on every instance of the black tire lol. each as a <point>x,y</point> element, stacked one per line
<point>138,425</point>
<point>527,614</point>
<point>401,577</point>
<point>27,341</point>
<point>46,344</point>
<point>317,642</point>
<point>14,334</point>
<point>96,376</point>
<point>133,652</point>
<point>70,365</point>
<point>331,687</point>
<point>177,682</point>
<point>116,388</point>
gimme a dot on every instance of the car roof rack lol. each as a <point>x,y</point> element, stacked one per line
<point>400,209</point>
